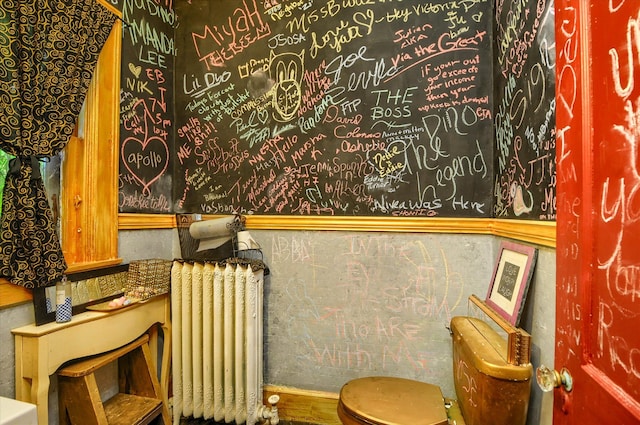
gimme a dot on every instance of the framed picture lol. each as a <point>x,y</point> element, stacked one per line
<point>511,279</point>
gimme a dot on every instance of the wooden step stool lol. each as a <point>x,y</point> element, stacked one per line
<point>139,401</point>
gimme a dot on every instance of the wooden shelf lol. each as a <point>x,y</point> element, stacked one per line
<point>129,409</point>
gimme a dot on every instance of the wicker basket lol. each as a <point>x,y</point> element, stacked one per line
<point>148,278</point>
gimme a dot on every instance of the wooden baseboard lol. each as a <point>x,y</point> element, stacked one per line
<point>316,407</point>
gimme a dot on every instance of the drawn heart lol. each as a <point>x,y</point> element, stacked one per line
<point>263,116</point>
<point>146,162</point>
<point>135,70</point>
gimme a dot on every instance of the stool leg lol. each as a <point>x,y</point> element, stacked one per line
<point>146,352</point>
<point>79,401</point>
<point>136,375</point>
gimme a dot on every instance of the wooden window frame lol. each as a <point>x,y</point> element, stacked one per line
<point>90,181</point>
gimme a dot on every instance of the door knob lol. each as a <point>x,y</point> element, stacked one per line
<point>548,379</point>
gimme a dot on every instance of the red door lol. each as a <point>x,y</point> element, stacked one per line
<point>598,225</point>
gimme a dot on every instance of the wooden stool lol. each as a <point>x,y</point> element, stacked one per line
<point>139,401</point>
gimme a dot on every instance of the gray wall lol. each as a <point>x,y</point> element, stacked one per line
<point>11,318</point>
<point>329,294</point>
<point>340,305</point>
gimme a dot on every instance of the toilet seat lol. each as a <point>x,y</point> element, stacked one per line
<point>380,400</point>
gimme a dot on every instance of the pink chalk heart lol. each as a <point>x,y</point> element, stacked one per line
<point>146,161</point>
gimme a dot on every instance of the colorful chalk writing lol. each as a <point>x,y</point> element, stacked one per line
<point>525,105</point>
<point>343,107</point>
<point>146,107</point>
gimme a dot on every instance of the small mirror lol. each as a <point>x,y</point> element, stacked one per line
<point>87,288</point>
<point>51,177</point>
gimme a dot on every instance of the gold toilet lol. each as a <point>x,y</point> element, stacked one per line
<point>490,390</point>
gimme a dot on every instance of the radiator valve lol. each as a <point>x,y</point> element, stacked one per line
<point>270,414</point>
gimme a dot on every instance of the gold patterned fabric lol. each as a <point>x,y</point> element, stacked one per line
<point>49,49</point>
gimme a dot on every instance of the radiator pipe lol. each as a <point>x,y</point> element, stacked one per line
<point>270,414</point>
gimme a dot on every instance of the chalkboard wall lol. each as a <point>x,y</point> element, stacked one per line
<point>525,183</point>
<point>146,107</point>
<point>349,107</point>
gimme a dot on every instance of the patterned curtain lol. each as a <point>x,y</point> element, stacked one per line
<point>49,50</point>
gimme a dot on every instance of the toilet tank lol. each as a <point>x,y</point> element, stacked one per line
<point>489,389</point>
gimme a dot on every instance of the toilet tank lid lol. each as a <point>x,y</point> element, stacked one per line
<point>487,349</point>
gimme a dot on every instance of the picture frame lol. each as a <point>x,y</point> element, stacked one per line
<point>511,279</point>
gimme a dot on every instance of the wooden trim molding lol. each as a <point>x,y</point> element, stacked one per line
<point>111,8</point>
<point>297,405</point>
<point>93,265</point>
<point>11,295</point>
<point>536,232</point>
<point>131,221</point>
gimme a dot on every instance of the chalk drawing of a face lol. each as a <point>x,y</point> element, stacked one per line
<point>287,69</point>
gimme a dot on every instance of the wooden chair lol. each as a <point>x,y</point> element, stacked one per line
<point>138,402</point>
